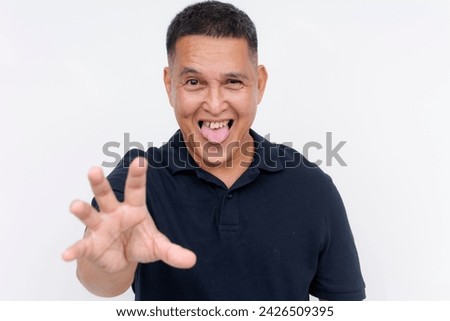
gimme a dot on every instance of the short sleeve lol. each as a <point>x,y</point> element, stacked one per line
<point>338,275</point>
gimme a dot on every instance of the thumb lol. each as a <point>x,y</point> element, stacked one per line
<point>173,254</point>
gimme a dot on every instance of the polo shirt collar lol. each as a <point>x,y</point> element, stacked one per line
<point>177,158</point>
<point>267,155</point>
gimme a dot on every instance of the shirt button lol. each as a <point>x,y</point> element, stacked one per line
<point>229,196</point>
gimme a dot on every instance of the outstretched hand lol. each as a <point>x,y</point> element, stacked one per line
<point>123,233</point>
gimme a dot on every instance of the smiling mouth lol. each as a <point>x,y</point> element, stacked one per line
<point>216,124</point>
<point>215,131</point>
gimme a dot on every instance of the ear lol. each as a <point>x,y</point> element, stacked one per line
<point>168,83</point>
<point>262,80</point>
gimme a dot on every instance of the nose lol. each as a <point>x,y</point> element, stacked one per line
<point>214,101</point>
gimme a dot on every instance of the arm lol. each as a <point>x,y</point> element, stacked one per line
<point>120,235</point>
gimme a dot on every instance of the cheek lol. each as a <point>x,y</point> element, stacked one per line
<point>245,106</point>
<point>185,105</point>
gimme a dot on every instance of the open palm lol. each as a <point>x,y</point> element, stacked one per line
<point>123,233</point>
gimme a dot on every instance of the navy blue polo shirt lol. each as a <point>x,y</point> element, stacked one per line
<point>279,233</point>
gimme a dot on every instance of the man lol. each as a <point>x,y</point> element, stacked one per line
<point>249,220</point>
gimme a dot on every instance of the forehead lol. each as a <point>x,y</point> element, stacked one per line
<point>211,50</point>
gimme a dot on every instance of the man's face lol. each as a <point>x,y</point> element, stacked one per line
<point>214,86</point>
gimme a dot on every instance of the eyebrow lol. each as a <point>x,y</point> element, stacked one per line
<point>188,70</point>
<point>237,75</point>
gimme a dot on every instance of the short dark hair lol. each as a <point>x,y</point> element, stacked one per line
<point>215,19</point>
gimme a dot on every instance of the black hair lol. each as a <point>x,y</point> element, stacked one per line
<point>214,19</point>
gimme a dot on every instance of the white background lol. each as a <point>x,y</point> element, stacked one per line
<point>76,75</point>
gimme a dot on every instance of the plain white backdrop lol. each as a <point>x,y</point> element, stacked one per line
<point>75,75</point>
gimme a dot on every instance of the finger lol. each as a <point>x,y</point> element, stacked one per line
<point>86,213</point>
<point>76,251</point>
<point>173,254</point>
<point>135,186</point>
<point>103,193</point>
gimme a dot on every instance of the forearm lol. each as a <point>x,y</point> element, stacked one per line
<point>102,283</point>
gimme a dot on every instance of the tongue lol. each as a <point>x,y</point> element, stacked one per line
<point>215,135</point>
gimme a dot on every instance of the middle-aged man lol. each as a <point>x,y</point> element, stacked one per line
<point>263,222</point>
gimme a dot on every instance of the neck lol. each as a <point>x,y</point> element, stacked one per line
<point>234,166</point>
<point>229,175</point>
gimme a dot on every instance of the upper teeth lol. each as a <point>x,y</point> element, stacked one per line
<point>216,124</point>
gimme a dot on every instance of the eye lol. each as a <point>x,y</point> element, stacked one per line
<point>192,82</point>
<point>234,83</point>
